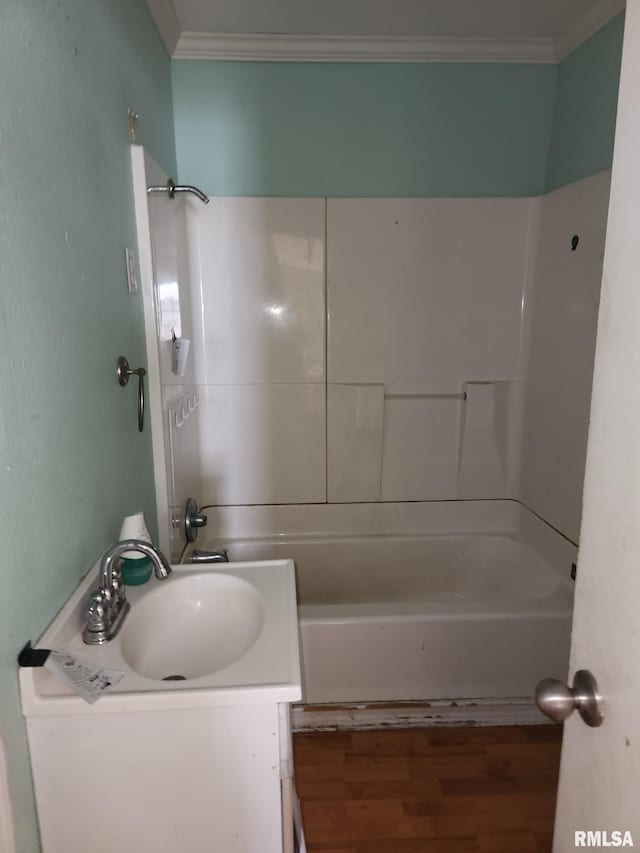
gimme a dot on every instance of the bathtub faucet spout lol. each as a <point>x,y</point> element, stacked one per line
<point>221,556</point>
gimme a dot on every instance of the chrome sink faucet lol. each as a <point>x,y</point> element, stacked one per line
<point>108,605</point>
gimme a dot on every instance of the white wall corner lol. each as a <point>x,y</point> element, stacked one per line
<point>165,18</point>
<point>583,28</point>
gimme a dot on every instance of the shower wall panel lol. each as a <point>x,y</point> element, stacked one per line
<point>259,267</point>
<point>562,320</point>
<point>424,293</point>
<point>262,444</point>
<point>425,300</point>
<point>258,315</point>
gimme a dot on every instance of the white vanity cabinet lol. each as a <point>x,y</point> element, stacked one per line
<point>201,765</point>
<point>201,780</point>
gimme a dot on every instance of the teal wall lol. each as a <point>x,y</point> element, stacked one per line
<point>362,129</point>
<point>245,128</point>
<point>584,114</point>
<point>71,460</point>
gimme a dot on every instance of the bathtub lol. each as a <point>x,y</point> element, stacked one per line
<point>454,600</point>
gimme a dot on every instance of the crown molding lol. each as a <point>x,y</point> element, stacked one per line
<point>309,48</point>
<point>586,26</point>
<point>166,21</point>
<point>305,48</point>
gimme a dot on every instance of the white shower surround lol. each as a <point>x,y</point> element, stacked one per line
<point>458,291</point>
<point>342,331</point>
<point>282,462</point>
<point>260,434</point>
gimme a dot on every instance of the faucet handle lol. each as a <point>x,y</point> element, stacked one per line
<point>193,520</point>
<point>97,611</point>
<point>117,590</point>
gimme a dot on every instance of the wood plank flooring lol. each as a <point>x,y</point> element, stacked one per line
<point>436,790</point>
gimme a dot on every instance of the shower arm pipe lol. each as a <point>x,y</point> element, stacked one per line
<point>172,188</point>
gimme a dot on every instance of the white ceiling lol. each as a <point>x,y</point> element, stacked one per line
<point>542,21</point>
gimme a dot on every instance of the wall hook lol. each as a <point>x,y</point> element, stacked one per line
<point>574,242</point>
<point>133,124</point>
<point>123,372</point>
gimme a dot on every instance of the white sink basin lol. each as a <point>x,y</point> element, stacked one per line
<point>231,631</point>
<point>192,626</point>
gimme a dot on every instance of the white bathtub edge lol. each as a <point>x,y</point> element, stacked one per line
<point>362,519</point>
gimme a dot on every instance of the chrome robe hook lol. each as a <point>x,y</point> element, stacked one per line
<point>123,372</point>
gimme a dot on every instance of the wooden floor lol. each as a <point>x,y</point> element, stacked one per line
<point>437,790</point>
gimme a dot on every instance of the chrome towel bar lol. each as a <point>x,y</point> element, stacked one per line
<point>123,372</point>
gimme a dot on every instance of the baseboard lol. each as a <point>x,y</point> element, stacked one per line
<point>516,711</point>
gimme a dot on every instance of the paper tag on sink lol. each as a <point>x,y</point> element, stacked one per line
<point>85,679</point>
